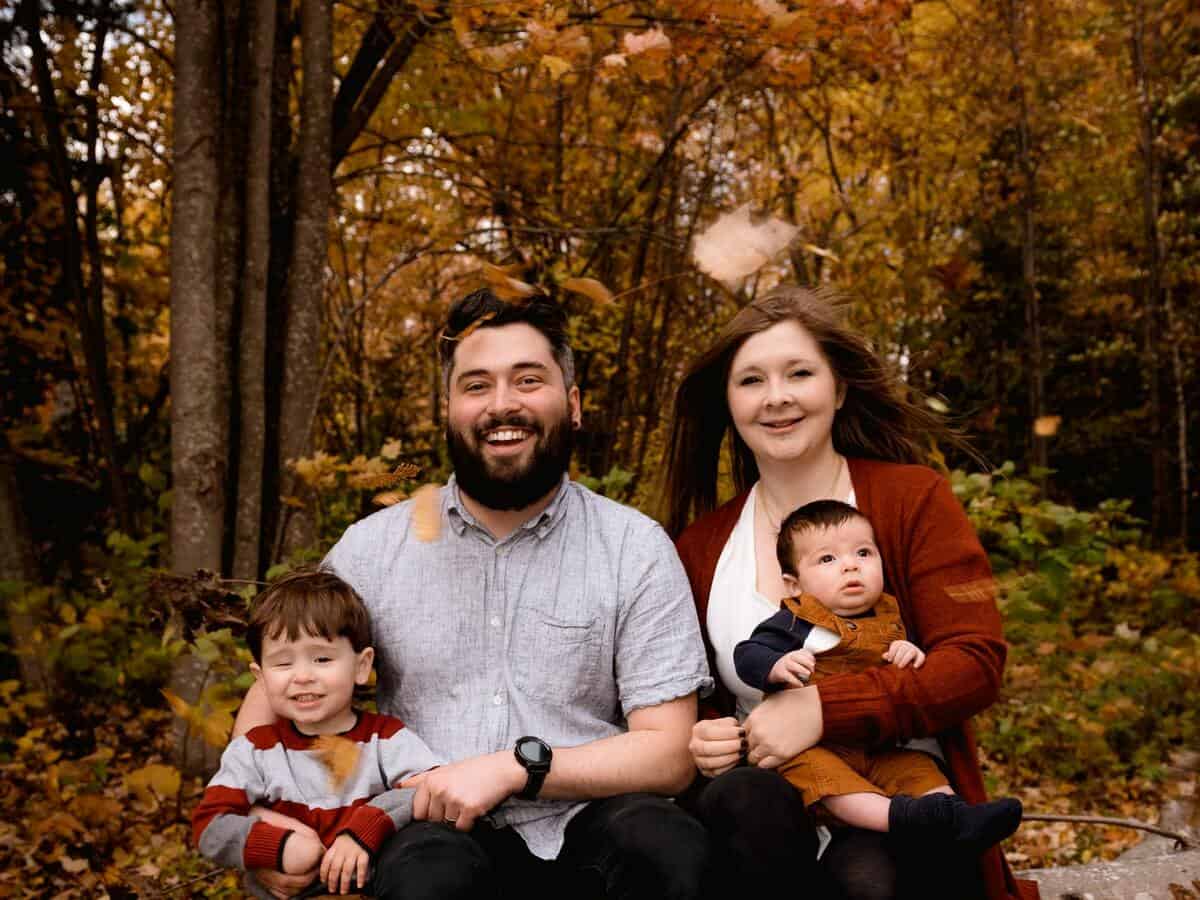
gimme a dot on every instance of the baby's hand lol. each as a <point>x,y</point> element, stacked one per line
<point>793,669</point>
<point>901,654</point>
<point>344,866</point>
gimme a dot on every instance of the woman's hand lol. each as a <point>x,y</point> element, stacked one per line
<point>783,725</point>
<point>717,745</point>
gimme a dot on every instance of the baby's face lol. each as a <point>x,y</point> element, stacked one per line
<point>840,566</point>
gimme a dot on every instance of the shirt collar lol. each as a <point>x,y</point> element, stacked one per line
<point>541,524</point>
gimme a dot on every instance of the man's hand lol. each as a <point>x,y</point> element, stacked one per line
<point>344,866</point>
<point>461,792</point>
<point>783,725</point>
<point>904,653</point>
<point>793,669</point>
<point>716,745</point>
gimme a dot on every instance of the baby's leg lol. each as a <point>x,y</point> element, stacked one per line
<point>862,810</point>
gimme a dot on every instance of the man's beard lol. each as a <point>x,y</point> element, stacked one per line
<point>509,486</point>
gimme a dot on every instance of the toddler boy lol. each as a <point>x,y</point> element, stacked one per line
<point>310,638</point>
<point>840,620</point>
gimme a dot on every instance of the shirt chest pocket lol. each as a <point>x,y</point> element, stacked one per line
<point>554,659</point>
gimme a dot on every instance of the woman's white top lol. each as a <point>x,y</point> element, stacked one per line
<point>735,606</point>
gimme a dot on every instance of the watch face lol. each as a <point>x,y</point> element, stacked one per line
<point>534,751</point>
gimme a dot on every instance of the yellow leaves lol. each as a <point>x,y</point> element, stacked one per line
<point>556,66</point>
<point>427,513</point>
<point>153,782</point>
<point>588,287</point>
<point>735,247</point>
<point>1046,426</point>
<point>648,53</point>
<point>337,754</point>
<point>73,866</point>
<point>213,720</point>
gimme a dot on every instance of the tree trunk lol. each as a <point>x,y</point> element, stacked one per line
<point>17,564</point>
<point>252,331</point>
<point>1152,255</point>
<point>197,454</point>
<point>306,278</point>
<point>1039,455</point>
<point>90,310</point>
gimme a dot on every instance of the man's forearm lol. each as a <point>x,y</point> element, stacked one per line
<point>655,762</point>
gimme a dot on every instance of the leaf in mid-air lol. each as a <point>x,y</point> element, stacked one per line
<point>734,246</point>
<point>427,512</point>
<point>337,754</point>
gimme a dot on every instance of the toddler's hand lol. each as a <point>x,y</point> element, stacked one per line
<point>793,669</point>
<point>344,866</point>
<point>901,654</point>
<point>301,852</point>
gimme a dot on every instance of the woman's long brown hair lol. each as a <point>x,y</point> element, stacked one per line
<point>878,419</point>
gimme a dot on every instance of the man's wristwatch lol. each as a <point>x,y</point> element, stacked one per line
<point>534,755</point>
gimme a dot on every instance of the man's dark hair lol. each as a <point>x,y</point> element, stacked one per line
<point>815,516</point>
<point>483,309</point>
<point>308,601</point>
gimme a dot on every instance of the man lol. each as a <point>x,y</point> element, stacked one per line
<point>545,642</point>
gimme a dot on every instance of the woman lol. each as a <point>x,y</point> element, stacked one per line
<point>812,413</point>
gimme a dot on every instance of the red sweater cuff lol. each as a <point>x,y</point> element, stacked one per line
<point>370,826</point>
<point>262,846</point>
<point>847,717</point>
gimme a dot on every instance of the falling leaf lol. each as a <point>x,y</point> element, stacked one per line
<point>215,728</point>
<point>427,512</point>
<point>337,754</point>
<point>821,251</point>
<point>654,41</point>
<point>504,286</point>
<point>73,866</point>
<point>614,61</point>
<point>937,404</point>
<point>589,287</point>
<point>293,501</point>
<point>407,470</point>
<point>178,705</point>
<point>1046,426</point>
<point>389,498</point>
<point>556,66</point>
<point>734,247</point>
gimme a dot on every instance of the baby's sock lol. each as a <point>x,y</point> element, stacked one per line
<point>975,827</point>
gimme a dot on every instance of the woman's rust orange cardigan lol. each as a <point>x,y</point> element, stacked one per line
<point>936,568</point>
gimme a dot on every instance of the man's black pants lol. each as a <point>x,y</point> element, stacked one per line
<point>629,846</point>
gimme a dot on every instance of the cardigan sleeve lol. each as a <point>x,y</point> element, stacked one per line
<point>948,595</point>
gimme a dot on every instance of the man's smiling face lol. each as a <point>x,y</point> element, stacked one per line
<point>510,416</point>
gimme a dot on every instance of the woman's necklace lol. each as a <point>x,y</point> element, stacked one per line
<point>775,521</point>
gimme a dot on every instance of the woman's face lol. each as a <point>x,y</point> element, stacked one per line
<point>782,394</point>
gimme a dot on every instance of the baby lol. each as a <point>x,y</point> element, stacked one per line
<point>840,620</point>
<point>310,638</point>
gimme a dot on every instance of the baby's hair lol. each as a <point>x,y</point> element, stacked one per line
<point>309,601</point>
<point>818,515</point>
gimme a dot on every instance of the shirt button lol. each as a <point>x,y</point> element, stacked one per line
<point>497,700</point>
<point>495,621</point>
